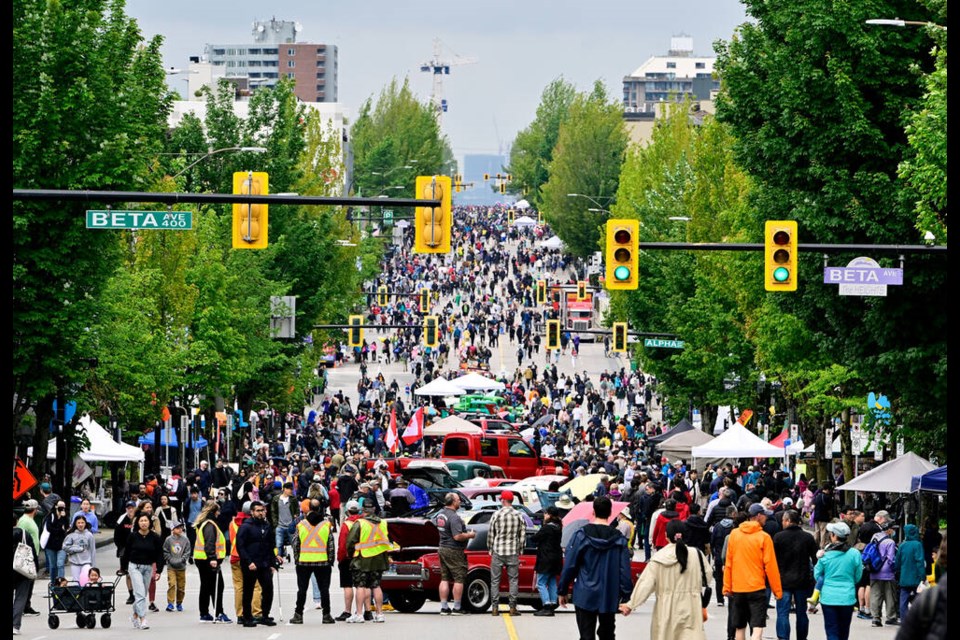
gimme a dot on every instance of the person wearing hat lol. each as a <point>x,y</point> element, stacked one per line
<point>625,523</point>
<point>564,504</point>
<point>837,572</point>
<point>401,499</point>
<point>796,552</point>
<point>352,510</point>
<point>750,565</point>
<point>505,539</point>
<point>177,552</point>
<point>48,499</point>
<point>28,523</point>
<point>883,587</point>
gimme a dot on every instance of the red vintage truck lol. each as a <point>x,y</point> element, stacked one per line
<point>505,450</point>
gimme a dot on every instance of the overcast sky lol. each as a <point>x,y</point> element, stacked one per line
<point>520,46</point>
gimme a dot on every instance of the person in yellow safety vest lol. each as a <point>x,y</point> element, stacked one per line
<point>208,554</point>
<point>313,553</point>
<point>367,546</point>
<point>236,572</point>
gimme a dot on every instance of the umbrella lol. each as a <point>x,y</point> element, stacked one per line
<point>582,514</point>
<point>543,421</point>
<point>582,486</point>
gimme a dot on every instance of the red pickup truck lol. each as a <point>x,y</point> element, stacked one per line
<point>505,450</point>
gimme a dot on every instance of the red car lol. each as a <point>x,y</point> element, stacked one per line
<point>414,573</point>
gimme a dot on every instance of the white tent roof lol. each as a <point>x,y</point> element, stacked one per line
<point>439,387</point>
<point>477,382</point>
<point>103,448</point>
<point>737,442</point>
<point>551,243</point>
<point>524,221</point>
<point>680,445</point>
<point>451,424</point>
<point>521,204</point>
<point>894,476</point>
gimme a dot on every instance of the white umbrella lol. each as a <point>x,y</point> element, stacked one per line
<point>477,382</point>
<point>439,387</point>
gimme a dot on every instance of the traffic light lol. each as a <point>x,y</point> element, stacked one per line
<point>382,297</point>
<point>486,177</point>
<point>539,216</point>
<point>503,187</point>
<point>780,255</point>
<point>581,290</point>
<point>510,215</point>
<point>431,333</point>
<point>250,220</point>
<point>433,224</point>
<point>553,334</point>
<point>541,291</point>
<point>424,300</point>
<point>355,332</point>
<point>623,254</point>
<point>619,337</point>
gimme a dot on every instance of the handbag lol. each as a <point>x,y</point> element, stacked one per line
<point>707,591</point>
<point>44,537</point>
<point>23,559</point>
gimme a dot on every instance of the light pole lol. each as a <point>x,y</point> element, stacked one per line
<point>896,22</point>
<point>610,200</point>
<point>216,151</point>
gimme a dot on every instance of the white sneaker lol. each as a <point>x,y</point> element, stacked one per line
<point>318,606</point>
<point>379,617</point>
<point>136,622</point>
<point>355,619</point>
<point>16,631</point>
<point>143,624</point>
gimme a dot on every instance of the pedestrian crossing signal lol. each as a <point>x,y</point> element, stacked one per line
<point>619,337</point>
<point>355,332</point>
<point>553,334</point>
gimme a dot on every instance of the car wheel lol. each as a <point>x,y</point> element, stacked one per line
<point>406,602</point>
<point>476,591</point>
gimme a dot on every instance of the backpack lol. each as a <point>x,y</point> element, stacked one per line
<point>872,558</point>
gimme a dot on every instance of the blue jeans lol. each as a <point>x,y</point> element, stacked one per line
<point>141,575</point>
<point>799,598</point>
<point>282,537</point>
<point>836,621</point>
<point>55,562</point>
<point>906,596</point>
<point>547,586</point>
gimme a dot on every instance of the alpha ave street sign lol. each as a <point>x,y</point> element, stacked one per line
<point>659,342</point>
<point>169,220</point>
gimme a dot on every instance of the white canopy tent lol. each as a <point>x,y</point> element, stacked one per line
<point>103,448</point>
<point>450,424</point>
<point>894,476</point>
<point>521,204</point>
<point>524,221</point>
<point>737,442</point>
<point>681,445</point>
<point>551,243</point>
<point>439,387</point>
<point>477,382</point>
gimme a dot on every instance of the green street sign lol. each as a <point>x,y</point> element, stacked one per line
<point>388,217</point>
<point>169,220</point>
<point>666,344</point>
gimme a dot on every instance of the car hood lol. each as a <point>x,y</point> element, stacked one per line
<point>413,532</point>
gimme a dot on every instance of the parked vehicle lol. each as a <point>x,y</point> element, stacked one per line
<point>509,451</point>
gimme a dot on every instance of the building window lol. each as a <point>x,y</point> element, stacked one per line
<point>701,65</point>
<point>253,52</point>
<point>291,75</point>
<point>320,65</point>
<point>671,65</point>
<point>291,64</point>
<point>321,50</point>
<point>291,52</point>
<point>271,52</point>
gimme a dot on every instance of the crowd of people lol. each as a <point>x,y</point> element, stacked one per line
<point>307,492</point>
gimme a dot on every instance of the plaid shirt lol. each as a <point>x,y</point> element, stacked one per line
<point>507,532</point>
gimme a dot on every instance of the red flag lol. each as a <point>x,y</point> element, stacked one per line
<point>414,430</point>
<point>391,435</point>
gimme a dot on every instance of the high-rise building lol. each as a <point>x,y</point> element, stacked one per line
<point>273,53</point>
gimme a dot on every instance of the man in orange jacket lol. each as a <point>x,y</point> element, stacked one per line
<point>750,566</point>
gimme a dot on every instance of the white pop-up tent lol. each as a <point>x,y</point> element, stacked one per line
<point>524,221</point>
<point>477,382</point>
<point>103,448</point>
<point>440,387</point>
<point>895,476</point>
<point>681,445</point>
<point>552,242</point>
<point>451,424</point>
<point>521,204</point>
<point>737,442</point>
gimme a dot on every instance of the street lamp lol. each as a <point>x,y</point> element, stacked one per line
<point>896,22</point>
<point>593,199</point>
<point>216,151</point>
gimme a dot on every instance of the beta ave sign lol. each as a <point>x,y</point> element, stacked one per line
<point>862,277</point>
<point>170,220</point>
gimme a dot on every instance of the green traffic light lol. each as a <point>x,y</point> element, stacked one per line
<point>621,273</point>
<point>781,274</point>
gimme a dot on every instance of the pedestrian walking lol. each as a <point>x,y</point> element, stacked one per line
<point>750,565</point>
<point>236,572</point>
<point>549,561</point>
<point>796,552</point>
<point>343,564</point>
<point>55,527</point>
<point>258,562</point>
<point>177,553</point>
<point>677,575</point>
<point>313,553</point>
<point>121,532</point>
<point>909,567</point>
<point>505,541</point>
<point>597,566</point>
<point>367,546</point>
<point>208,555</point>
<point>837,572</point>
<point>454,537</point>
<point>927,617</point>
<point>883,589</point>
<point>144,556</point>
<point>21,584</point>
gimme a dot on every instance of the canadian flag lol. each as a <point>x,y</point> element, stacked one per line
<point>391,436</point>
<point>414,430</point>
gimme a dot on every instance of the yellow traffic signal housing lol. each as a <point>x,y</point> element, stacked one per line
<point>382,297</point>
<point>510,216</point>
<point>433,224</point>
<point>250,220</point>
<point>780,255</point>
<point>619,337</point>
<point>553,334</point>
<point>539,216</point>
<point>623,254</point>
<point>431,332</point>
<point>541,291</point>
<point>424,300</point>
<point>486,177</point>
<point>503,187</point>
<point>355,332</point>
<point>581,290</point>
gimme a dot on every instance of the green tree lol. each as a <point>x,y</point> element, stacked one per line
<point>587,159</point>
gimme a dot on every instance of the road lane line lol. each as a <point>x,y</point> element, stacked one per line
<point>508,622</point>
<point>273,636</point>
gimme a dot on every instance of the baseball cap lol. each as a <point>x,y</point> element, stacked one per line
<point>839,529</point>
<point>317,478</point>
<point>176,525</point>
<point>788,501</point>
<point>353,506</point>
<point>756,509</point>
<point>45,486</point>
<point>30,505</point>
<point>130,503</point>
<point>506,495</point>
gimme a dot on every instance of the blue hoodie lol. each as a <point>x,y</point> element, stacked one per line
<point>910,565</point>
<point>598,561</point>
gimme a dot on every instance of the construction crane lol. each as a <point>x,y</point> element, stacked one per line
<point>439,68</point>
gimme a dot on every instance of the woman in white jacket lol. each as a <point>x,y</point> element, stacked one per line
<point>674,575</point>
<point>81,550</point>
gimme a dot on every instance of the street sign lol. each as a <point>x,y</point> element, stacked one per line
<point>794,432</point>
<point>387,216</point>
<point>863,277</point>
<point>23,480</point>
<point>666,344</point>
<point>828,442</point>
<point>168,220</point>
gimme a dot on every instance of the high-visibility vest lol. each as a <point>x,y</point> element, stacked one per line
<point>234,527</point>
<point>313,541</point>
<point>373,539</point>
<point>199,549</point>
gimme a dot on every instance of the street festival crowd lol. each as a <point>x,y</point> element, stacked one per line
<point>763,538</point>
